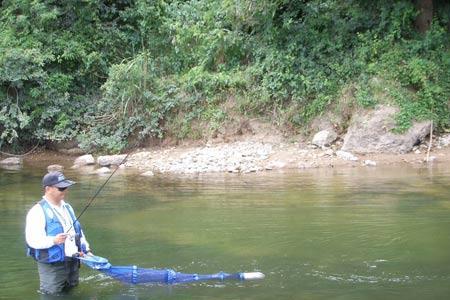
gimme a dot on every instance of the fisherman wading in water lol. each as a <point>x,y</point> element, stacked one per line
<point>54,238</point>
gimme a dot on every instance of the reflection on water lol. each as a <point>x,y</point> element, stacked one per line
<point>320,234</point>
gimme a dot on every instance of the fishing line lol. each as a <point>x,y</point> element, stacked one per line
<point>98,192</point>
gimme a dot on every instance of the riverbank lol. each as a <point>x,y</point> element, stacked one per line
<point>254,156</point>
<point>265,151</point>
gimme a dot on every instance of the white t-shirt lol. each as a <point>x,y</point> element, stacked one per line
<point>36,235</point>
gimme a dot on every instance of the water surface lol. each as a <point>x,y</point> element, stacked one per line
<point>356,233</point>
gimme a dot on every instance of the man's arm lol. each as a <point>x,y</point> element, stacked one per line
<point>35,234</point>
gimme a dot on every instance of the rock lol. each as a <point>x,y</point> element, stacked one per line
<point>307,165</point>
<point>444,141</point>
<point>11,161</point>
<point>52,168</point>
<point>84,169</point>
<point>103,170</point>
<point>369,163</point>
<point>233,169</point>
<point>329,152</point>
<point>430,159</point>
<point>346,155</point>
<point>276,165</point>
<point>417,151</point>
<point>371,132</point>
<point>148,174</point>
<point>84,160</point>
<point>107,160</point>
<point>324,138</point>
<point>249,170</point>
<point>11,167</point>
<point>143,155</point>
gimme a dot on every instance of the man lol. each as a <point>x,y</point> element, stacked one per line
<point>54,238</point>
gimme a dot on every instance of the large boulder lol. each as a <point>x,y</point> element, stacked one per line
<point>101,171</point>
<point>84,160</point>
<point>11,161</point>
<point>324,138</point>
<point>372,132</point>
<point>107,160</point>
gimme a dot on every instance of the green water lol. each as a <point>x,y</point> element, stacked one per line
<point>370,233</point>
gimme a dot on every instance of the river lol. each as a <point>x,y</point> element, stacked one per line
<point>352,233</point>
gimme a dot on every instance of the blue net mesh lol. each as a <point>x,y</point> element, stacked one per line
<point>131,274</point>
<point>135,275</point>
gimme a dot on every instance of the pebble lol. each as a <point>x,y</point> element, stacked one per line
<point>346,155</point>
<point>369,163</point>
<point>102,170</point>
<point>430,159</point>
<point>148,174</point>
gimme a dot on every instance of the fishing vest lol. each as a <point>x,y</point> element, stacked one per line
<point>52,227</point>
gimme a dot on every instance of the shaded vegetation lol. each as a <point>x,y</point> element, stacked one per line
<point>108,72</point>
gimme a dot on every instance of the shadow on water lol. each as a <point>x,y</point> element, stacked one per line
<point>320,234</point>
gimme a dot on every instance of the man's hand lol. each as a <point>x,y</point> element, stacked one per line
<point>60,238</point>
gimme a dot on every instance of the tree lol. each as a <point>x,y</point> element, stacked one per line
<point>425,16</point>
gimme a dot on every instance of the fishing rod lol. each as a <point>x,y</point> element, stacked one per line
<point>98,192</point>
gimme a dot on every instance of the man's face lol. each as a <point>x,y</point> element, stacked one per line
<point>55,192</point>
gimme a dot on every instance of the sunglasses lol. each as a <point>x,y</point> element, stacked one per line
<point>62,189</point>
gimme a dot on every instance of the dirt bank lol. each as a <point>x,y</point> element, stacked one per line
<point>262,150</point>
<point>253,156</point>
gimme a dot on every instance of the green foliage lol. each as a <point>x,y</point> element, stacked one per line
<point>216,117</point>
<point>365,98</point>
<point>112,73</point>
<point>133,104</point>
<point>12,120</point>
<point>53,56</point>
<point>198,80</point>
<point>18,66</point>
<point>420,67</point>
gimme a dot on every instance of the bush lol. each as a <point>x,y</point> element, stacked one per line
<point>133,105</point>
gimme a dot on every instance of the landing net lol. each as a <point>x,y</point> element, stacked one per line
<point>136,275</point>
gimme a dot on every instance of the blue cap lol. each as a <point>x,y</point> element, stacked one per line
<point>56,179</point>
